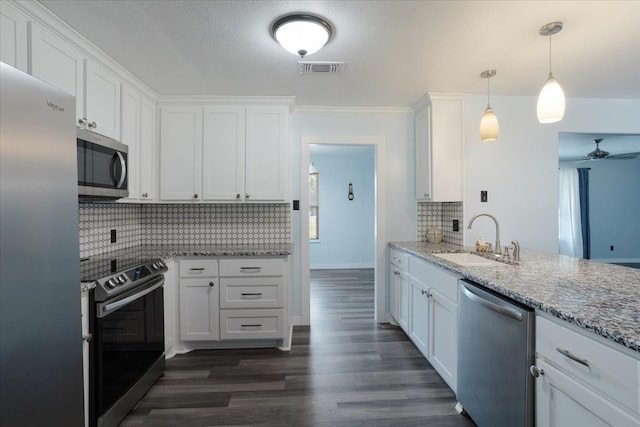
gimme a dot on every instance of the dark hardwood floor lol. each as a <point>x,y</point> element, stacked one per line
<point>345,370</point>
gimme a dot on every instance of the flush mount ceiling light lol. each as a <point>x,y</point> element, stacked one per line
<point>551,100</point>
<point>301,34</point>
<point>489,128</point>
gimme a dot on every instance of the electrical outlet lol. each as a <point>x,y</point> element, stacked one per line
<point>296,205</point>
<point>483,196</point>
<point>456,225</point>
<point>113,236</point>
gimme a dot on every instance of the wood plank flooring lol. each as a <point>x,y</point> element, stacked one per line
<point>344,370</point>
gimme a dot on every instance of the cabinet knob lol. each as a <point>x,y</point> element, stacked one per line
<point>82,121</point>
<point>195,196</point>
<point>423,291</point>
<point>211,284</point>
<point>535,371</point>
<point>246,196</point>
<point>238,196</point>
<point>92,125</point>
<point>87,337</point>
<point>145,195</point>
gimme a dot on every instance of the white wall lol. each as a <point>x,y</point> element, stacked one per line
<point>346,226</point>
<point>395,128</point>
<point>520,170</point>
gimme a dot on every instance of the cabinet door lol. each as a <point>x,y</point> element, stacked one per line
<point>180,151</point>
<point>404,301</point>
<point>266,159</point>
<point>223,153</point>
<point>199,299</point>
<point>102,100</point>
<point>147,176</point>
<point>13,37</point>
<point>418,326</point>
<point>131,137</point>
<point>394,293</point>
<point>446,148</point>
<point>443,337</point>
<point>58,63</point>
<point>563,401</point>
<point>423,154</point>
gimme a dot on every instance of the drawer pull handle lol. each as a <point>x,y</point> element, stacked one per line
<point>251,326</point>
<point>573,357</point>
<point>251,294</point>
<point>252,269</point>
<point>197,269</point>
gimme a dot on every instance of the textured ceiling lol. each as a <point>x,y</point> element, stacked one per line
<point>395,51</point>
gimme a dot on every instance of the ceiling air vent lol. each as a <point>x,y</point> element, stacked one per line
<point>320,67</point>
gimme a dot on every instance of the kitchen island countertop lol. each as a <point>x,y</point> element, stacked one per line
<point>602,298</point>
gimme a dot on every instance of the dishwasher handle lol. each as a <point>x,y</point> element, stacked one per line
<point>506,311</point>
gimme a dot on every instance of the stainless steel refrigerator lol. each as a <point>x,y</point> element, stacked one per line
<point>40,325</point>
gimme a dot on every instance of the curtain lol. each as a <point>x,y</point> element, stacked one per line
<point>570,221</point>
<point>583,181</point>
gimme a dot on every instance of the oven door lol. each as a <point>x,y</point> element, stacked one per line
<point>129,344</point>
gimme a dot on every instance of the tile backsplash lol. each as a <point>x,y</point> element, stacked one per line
<point>181,224</point>
<point>440,214</point>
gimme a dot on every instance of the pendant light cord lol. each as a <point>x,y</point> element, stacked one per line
<point>488,91</point>
<point>550,72</point>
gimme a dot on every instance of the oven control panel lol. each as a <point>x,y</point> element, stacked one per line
<point>122,281</point>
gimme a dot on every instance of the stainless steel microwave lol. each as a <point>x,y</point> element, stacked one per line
<point>102,167</point>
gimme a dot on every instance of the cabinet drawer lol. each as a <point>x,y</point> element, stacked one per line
<point>199,268</point>
<point>609,371</point>
<point>399,259</point>
<point>258,292</point>
<point>252,267</point>
<point>435,278</point>
<point>251,324</point>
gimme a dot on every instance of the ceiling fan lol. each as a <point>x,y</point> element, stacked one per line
<point>599,154</point>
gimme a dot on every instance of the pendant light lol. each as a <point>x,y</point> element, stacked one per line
<point>550,107</point>
<point>489,128</point>
<point>301,34</point>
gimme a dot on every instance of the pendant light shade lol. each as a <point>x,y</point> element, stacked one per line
<point>301,34</point>
<point>489,127</point>
<point>551,103</point>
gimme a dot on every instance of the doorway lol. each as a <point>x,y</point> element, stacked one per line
<point>376,144</point>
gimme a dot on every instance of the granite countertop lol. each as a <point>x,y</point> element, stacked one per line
<point>602,298</point>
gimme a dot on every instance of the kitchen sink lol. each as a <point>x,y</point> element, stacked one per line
<point>466,259</point>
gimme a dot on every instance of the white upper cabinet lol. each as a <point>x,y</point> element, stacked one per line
<point>223,153</point>
<point>58,63</point>
<point>266,160</point>
<point>97,90</point>
<point>102,100</point>
<point>148,180</point>
<point>138,133</point>
<point>438,148</point>
<point>180,152</point>
<point>13,37</point>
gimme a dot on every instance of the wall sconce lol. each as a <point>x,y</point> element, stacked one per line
<point>489,127</point>
<point>301,34</point>
<point>550,107</point>
<point>350,196</point>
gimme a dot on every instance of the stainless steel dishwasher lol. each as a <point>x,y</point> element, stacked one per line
<point>495,350</point>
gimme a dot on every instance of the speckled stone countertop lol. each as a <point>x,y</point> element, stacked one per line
<point>602,298</point>
<point>168,251</point>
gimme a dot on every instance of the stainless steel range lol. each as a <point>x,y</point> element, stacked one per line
<point>126,322</point>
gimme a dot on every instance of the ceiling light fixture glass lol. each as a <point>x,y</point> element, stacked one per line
<point>550,107</point>
<point>489,128</point>
<point>301,34</point>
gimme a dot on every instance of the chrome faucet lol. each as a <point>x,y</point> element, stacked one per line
<point>497,248</point>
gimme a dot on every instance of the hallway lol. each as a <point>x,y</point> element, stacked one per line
<point>345,370</point>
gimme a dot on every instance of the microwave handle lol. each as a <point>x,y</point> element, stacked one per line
<point>123,168</point>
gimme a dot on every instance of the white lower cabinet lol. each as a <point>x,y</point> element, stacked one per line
<point>230,299</point>
<point>199,300</point>
<point>424,302</point>
<point>582,381</point>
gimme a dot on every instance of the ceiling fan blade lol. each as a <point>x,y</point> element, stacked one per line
<point>582,161</point>
<point>625,156</point>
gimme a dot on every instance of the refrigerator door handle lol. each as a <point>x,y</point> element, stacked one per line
<point>490,305</point>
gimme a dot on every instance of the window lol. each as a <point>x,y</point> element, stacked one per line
<point>314,229</point>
